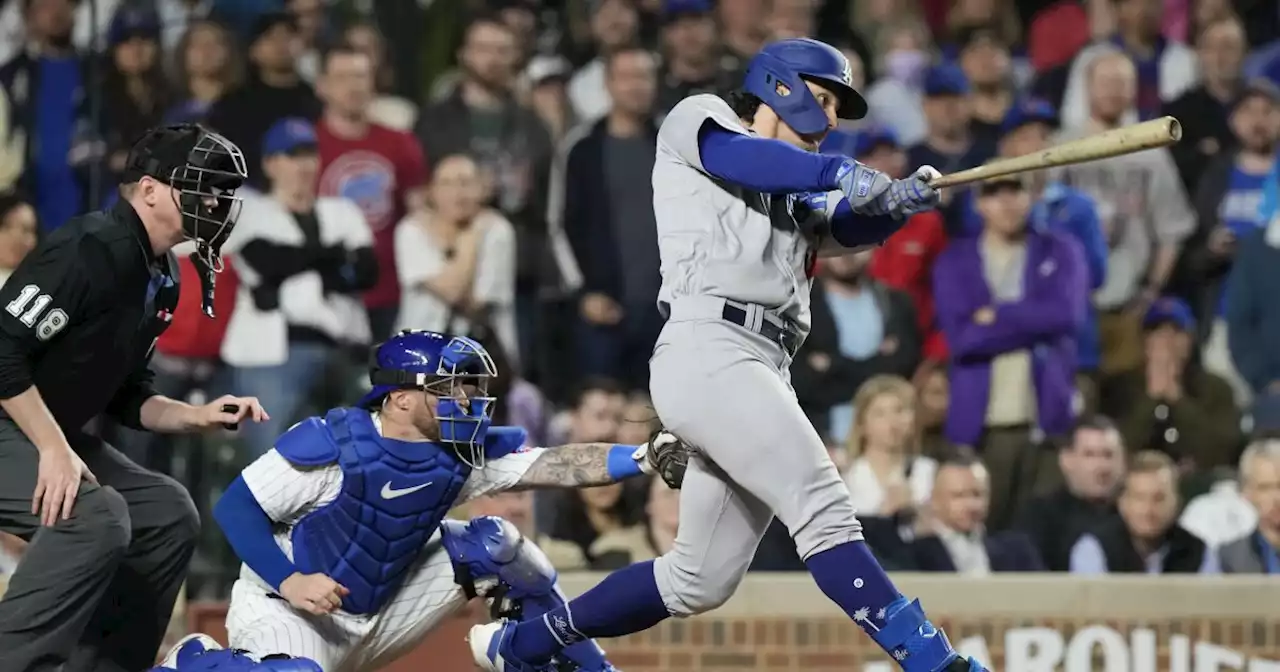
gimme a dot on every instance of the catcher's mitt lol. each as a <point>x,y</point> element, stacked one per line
<point>667,456</point>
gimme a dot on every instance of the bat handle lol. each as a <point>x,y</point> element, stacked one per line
<point>230,426</point>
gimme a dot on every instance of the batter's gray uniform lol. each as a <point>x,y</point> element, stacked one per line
<point>726,388</point>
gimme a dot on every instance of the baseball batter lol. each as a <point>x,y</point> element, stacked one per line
<point>347,562</point>
<point>744,206</point>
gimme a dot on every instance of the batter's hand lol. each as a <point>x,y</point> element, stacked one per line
<point>57,483</point>
<point>914,195</point>
<point>313,593</point>
<point>212,416</point>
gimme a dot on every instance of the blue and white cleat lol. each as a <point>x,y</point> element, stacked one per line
<point>201,653</point>
<point>491,649</point>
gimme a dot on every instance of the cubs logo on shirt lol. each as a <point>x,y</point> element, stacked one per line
<point>369,180</point>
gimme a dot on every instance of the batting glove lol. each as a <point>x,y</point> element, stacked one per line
<point>913,195</point>
<point>863,187</point>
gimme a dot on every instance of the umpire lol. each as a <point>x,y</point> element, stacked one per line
<point>109,540</point>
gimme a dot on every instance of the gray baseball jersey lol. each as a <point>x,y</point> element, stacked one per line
<point>718,239</point>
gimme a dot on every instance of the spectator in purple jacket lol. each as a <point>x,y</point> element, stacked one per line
<point>1010,302</point>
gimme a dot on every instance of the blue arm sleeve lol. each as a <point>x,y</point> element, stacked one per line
<point>249,531</point>
<point>765,165</point>
<point>852,230</point>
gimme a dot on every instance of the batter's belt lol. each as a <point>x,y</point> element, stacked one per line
<point>750,316</point>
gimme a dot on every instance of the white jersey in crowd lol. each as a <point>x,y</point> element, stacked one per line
<point>720,240</point>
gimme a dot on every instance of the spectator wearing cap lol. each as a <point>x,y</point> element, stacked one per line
<point>1204,110</point>
<point>1164,69</point>
<point>1026,129</point>
<point>614,24</point>
<point>1170,403</point>
<point>273,90</point>
<point>135,90</point>
<point>902,52</point>
<point>483,118</point>
<point>984,58</point>
<point>949,144</point>
<point>379,169</point>
<point>303,262</point>
<point>691,54</point>
<point>547,77</point>
<point>45,82</point>
<point>1011,302</point>
<point>1252,312</point>
<point>1229,207</point>
<point>1143,207</point>
<point>603,228</point>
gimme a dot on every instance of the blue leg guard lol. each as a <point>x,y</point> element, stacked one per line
<point>492,560</point>
<point>199,653</point>
<point>916,644</point>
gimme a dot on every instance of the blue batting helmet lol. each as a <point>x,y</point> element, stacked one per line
<point>776,76</point>
<point>455,369</point>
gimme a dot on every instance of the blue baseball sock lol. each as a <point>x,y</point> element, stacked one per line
<point>851,576</point>
<point>626,601</point>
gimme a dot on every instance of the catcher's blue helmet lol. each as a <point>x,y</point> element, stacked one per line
<point>776,76</point>
<point>456,369</point>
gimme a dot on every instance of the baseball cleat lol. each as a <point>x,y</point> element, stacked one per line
<point>490,649</point>
<point>188,648</point>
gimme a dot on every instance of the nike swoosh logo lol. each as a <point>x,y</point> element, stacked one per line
<point>389,492</point>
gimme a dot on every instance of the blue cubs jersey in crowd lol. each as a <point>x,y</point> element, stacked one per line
<point>393,497</point>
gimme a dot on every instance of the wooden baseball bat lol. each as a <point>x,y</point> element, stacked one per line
<point>1160,132</point>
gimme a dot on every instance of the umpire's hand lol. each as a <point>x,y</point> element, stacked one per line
<point>313,593</point>
<point>216,413</point>
<point>58,483</point>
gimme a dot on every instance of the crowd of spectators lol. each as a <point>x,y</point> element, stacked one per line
<point>1073,371</point>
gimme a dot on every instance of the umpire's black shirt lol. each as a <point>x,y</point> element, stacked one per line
<point>81,315</point>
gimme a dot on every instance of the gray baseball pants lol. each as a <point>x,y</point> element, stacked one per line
<point>727,391</point>
<point>95,592</point>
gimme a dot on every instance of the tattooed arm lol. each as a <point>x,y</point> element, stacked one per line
<point>577,465</point>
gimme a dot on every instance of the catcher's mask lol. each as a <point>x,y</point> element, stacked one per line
<point>455,369</point>
<point>204,170</point>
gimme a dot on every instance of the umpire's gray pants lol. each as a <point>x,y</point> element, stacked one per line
<point>94,592</point>
<point>727,391</point>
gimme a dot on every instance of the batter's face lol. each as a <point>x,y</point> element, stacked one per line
<point>774,127</point>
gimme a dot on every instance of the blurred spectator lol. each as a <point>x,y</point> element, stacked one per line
<point>45,82</point>
<point>614,24</point>
<point>691,54</point>
<point>546,77</point>
<point>952,534</point>
<point>387,109</point>
<point>949,143</point>
<point>521,16</point>
<point>378,168</point>
<point>523,404</point>
<point>639,420</point>
<point>886,474</point>
<point>309,18</point>
<point>1229,207</point>
<point>1057,32</point>
<point>302,263</point>
<point>860,329</point>
<point>742,33</point>
<point>1221,515</point>
<point>456,260</point>
<point>1026,129</point>
<point>602,200</point>
<point>517,507</point>
<point>1171,404</point>
<point>1259,551</point>
<point>273,90</point>
<point>585,515</point>
<point>1146,537</point>
<point>18,228</point>
<point>997,16</point>
<point>1164,70</point>
<point>208,66</point>
<point>902,52</point>
<point>1252,313</point>
<point>868,18</point>
<point>177,17</point>
<point>984,59</point>
<point>639,543</point>
<point>1143,208</point>
<point>1011,302</point>
<point>513,148</point>
<point>1093,464</point>
<point>1204,110</point>
<point>790,18</point>
<point>17,29</point>
<point>13,146</point>
<point>595,412</point>
<point>135,90</point>
<point>933,397</point>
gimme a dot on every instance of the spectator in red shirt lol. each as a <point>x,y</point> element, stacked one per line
<point>379,168</point>
<point>905,260</point>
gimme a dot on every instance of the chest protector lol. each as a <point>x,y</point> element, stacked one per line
<point>394,495</point>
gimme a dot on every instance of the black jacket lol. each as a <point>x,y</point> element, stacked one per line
<point>818,390</point>
<point>1205,134</point>
<point>82,315</point>
<point>1184,552</point>
<point>1055,522</point>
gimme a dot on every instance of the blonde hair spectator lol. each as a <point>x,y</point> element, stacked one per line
<point>887,475</point>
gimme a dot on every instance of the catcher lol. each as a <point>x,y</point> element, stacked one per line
<point>348,561</point>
